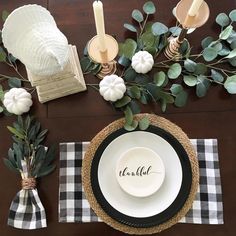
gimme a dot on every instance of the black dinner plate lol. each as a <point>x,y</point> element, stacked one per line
<point>172,210</point>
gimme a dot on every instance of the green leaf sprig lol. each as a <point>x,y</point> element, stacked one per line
<point>28,138</point>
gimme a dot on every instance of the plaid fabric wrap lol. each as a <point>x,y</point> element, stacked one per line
<point>26,210</point>
<point>207,207</point>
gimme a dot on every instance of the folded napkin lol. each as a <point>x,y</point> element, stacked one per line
<point>26,210</point>
<point>207,207</point>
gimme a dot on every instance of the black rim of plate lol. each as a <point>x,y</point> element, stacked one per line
<point>172,210</point>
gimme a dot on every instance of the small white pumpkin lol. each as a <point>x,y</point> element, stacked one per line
<point>112,88</point>
<point>17,101</point>
<point>142,62</point>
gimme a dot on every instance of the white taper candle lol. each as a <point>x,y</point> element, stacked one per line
<point>193,10</point>
<point>100,26</point>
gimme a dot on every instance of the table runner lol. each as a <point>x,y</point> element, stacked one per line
<point>207,207</point>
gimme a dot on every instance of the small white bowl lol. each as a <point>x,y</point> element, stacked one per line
<point>140,172</point>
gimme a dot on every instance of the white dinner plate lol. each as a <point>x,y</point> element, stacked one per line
<point>141,211</point>
<point>125,203</point>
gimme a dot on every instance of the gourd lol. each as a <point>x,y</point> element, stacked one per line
<point>112,88</point>
<point>17,101</point>
<point>142,62</point>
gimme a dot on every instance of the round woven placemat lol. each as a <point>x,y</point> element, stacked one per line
<point>86,169</point>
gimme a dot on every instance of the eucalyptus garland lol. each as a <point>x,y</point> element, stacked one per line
<point>166,83</point>
<point>28,146</point>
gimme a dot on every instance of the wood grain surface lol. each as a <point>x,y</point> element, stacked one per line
<point>79,117</point>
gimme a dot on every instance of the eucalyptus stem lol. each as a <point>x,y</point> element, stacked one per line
<point>144,24</point>
<point>93,86</point>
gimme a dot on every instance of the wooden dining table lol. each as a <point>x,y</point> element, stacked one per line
<point>81,116</point>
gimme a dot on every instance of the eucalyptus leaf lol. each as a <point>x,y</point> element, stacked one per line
<point>232,54</point>
<point>135,92</point>
<point>1,109</point>
<point>230,84</point>
<point>190,65</point>
<point>149,8</point>
<point>148,39</point>
<point>166,97</point>
<point>1,94</point>
<point>159,29</point>
<point>209,54</point>
<point>153,91</point>
<point>206,42</point>
<point>124,61</point>
<point>216,76</point>
<point>143,99</point>
<point>14,82</point>
<point>137,15</point>
<point>232,61</point>
<point>233,44</point>
<point>174,71</point>
<point>131,127</point>
<point>134,106</point>
<point>224,51</point>
<point>226,32</point>
<point>144,123</point>
<point>175,31</point>
<point>159,78</point>
<point>200,69</point>
<point>130,74</point>
<point>85,63</point>
<point>184,49</point>
<point>130,27</point>
<point>202,86</point>
<point>218,47</point>
<point>176,89</point>
<point>142,79</point>
<point>222,19</point>
<point>151,50</point>
<point>181,99</point>
<point>190,80</point>
<point>232,15</point>
<point>97,67</point>
<point>5,14</point>
<point>3,55</point>
<point>232,37</point>
<point>123,102</point>
<point>127,48</point>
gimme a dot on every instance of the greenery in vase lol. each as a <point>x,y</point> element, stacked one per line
<point>167,81</point>
<point>27,146</point>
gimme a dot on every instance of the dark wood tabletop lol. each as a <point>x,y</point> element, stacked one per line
<point>81,116</point>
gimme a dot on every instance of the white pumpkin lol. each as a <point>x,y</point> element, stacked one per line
<point>17,101</point>
<point>112,88</point>
<point>142,62</point>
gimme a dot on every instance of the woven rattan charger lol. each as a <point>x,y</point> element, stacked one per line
<point>86,170</point>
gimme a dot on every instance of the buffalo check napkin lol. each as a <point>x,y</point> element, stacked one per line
<point>26,210</point>
<point>207,207</point>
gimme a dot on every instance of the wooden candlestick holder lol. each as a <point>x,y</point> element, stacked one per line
<point>187,22</point>
<point>106,58</point>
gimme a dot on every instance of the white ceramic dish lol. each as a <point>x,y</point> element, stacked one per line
<point>140,171</point>
<point>136,206</point>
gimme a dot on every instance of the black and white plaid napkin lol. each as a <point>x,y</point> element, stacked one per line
<point>207,207</point>
<point>26,210</point>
